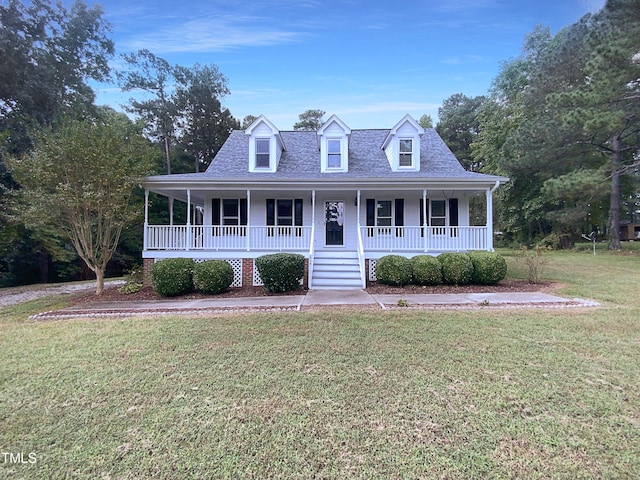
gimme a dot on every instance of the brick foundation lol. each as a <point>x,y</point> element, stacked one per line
<point>146,271</point>
<point>247,272</point>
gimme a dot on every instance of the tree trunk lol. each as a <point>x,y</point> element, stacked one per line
<point>614,208</point>
<point>99,281</point>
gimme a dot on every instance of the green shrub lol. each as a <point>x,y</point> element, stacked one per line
<point>173,276</point>
<point>212,276</point>
<point>281,272</point>
<point>457,268</point>
<point>426,270</point>
<point>488,267</point>
<point>393,270</point>
<point>129,288</point>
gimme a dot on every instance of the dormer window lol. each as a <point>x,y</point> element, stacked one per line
<point>406,153</point>
<point>402,145</point>
<point>265,146</point>
<point>263,153</point>
<point>333,142</point>
<point>334,153</point>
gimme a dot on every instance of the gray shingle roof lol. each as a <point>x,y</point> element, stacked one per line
<point>301,159</point>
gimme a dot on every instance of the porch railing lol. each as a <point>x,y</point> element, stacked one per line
<point>294,238</point>
<point>424,238</point>
<point>228,237</point>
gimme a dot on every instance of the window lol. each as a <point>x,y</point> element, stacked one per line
<point>438,216</point>
<point>284,213</point>
<point>229,216</point>
<point>334,154</point>
<point>263,153</point>
<point>230,212</point>
<point>406,152</point>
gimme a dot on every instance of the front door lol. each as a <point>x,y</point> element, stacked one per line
<point>334,223</point>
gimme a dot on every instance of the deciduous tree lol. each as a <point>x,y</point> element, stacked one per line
<point>79,182</point>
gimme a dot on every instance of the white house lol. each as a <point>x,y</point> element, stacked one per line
<point>343,198</point>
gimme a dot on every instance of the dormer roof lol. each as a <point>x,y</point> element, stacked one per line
<point>334,119</point>
<point>264,121</point>
<point>407,119</point>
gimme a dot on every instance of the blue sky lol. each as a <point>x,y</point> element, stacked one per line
<point>369,62</point>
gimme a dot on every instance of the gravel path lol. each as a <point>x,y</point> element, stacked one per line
<point>15,295</point>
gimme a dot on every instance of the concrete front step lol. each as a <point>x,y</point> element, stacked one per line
<point>335,270</point>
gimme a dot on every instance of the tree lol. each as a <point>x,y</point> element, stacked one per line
<point>204,125</point>
<point>426,121</point>
<point>79,182</point>
<point>459,126</point>
<point>310,120</point>
<point>155,76</point>
<point>48,53</point>
<point>602,110</point>
<point>247,121</point>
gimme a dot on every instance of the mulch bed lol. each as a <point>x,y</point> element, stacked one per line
<point>111,293</point>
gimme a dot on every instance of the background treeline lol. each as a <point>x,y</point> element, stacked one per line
<point>561,121</point>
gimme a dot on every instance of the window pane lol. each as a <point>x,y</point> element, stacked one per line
<point>333,161</point>
<point>284,212</point>
<point>230,207</point>
<point>384,222</point>
<point>333,146</point>
<point>438,208</point>
<point>262,145</point>
<point>384,208</point>
<point>262,152</point>
<point>406,145</point>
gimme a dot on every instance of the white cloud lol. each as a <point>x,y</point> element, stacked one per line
<point>218,33</point>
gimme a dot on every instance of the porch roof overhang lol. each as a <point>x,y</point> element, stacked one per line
<point>169,185</point>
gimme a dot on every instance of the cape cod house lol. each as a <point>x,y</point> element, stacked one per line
<point>343,198</point>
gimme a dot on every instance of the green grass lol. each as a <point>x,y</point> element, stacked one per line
<point>404,394</point>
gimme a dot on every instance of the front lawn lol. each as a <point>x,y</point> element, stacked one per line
<point>336,394</point>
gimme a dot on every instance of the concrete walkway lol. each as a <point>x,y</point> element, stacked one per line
<point>320,298</point>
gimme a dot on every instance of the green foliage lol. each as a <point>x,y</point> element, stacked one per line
<point>393,270</point>
<point>309,120</point>
<point>130,287</point>
<point>281,272</point>
<point>212,276</point>
<point>173,276</point>
<point>488,267</point>
<point>457,268</point>
<point>79,184</point>
<point>534,260</point>
<point>426,270</point>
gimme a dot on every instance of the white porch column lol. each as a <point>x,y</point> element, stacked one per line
<point>188,239</point>
<point>170,199</point>
<point>490,216</point>
<point>424,219</point>
<point>248,219</point>
<point>313,209</point>
<point>146,219</point>
<point>358,211</point>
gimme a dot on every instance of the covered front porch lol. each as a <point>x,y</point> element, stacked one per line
<point>242,222</point>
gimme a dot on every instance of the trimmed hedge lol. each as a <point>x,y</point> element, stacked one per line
<point>281,272</point>
<point>457,268</point>
<point>393,270</point>
<point>426,270</point>
<point>173,276</point>
<point>212,276</point>
<point>488,267</point>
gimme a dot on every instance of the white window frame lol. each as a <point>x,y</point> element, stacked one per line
<point>385,229</point>
<point>331,154</point>
<point>439,229</point>
<point>403,154</point>
<point>258,141</point>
